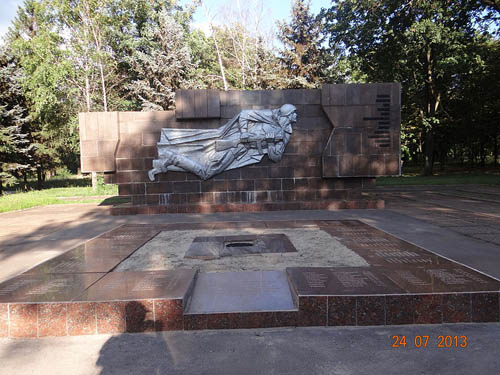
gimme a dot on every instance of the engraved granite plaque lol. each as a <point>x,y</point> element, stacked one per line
<point>209,248</point>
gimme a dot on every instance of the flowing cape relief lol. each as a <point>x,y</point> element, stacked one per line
<point>199,145</point>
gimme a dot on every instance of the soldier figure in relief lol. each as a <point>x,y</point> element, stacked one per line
<point>244,140</point>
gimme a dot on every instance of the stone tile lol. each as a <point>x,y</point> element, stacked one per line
<point>428,309</point>
<point>485,307</point>
<point>137,285</point>
<point>169,315</point>
<point>139,316</point>
<point>399,309</point>
<point>46,287</point>
<point>286,318</point>
<point>456,307</point>
<point>4,320</point>
<point>312,311</point>
<point>81,319</point>
<point>340,281</point>
<point>341,311</point>
<point>264,319</point>
<point>223,321</point>
<point>195,322</point>
<point>446,277</point>
<point>23,320</point>
<point>110,317</point>
<point>241,292</point>
<point>370,310</point>
<point>52,319</point>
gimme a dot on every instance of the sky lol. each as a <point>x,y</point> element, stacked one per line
<point>273,10</point>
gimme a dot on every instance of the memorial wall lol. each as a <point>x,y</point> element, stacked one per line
<point>341,138</point>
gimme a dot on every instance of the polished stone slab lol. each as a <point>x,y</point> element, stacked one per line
<point>379,248</point>
<point>227,292</point>
<point>46,287</point>
<point>445,278</point>
<point>98,255</point>
<point>214,247</point>
<point>173,284</point>
<point>339,281</point>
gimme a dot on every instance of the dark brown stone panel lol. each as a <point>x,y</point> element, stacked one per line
<point>229,111</point>
<point>268,184</point>
<point>172,176</point>
<point>341,311</point>
<point>131,189</point>
<point>52,319</point>
<point>428,309</point>
<point>4,320</point>
<point>159,187</point>
<point>200,104</point>
<point>231,97</point>
<point>485,307</point>
<point>213,103</point>
<point>81,319</point>
<point>286,318</point>
<point>346,165</point>
<point>186,187</point>
<point>110,317</point>
<point>456,307</point>
<point>23,319</point>
<point>139,316</point>
<point>370,310</point>
<point>256,320</point>
<point>313,311</point>
<point>361,165</point>
<point>195,322</point>
<point>130,164</point>
<point>138,200</point>
<point>169,315</point>
<point>250,98</point>
<point>213,186</point>
<point>399,309</point>
<point>255,172</point>
<point>330,166</point>
<point>130,177</point>
<point>240,185</point>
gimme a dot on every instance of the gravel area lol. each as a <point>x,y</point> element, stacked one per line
<point>315,248</point>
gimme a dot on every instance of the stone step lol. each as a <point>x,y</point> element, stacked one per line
<point>241,292</point>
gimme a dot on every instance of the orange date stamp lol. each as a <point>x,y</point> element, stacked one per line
<point>425,341</point>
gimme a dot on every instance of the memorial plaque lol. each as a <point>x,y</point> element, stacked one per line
<point>209,248</point>
<point>319,281</point>
<point>46,287</point>
<point>241,292</point>
<point>172,284</point>
<point>98,255</point>
<point>448,278</point>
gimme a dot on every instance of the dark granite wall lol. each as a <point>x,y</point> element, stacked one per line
<point>301,180</point>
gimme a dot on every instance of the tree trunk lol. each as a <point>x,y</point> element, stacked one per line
<point>1,184</point>
<point>25,181</point>
<point>429,154</point>
<point>495,150</point>
<point>39,180</point>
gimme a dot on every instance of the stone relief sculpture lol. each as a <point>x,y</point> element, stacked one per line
<point>244,140</point>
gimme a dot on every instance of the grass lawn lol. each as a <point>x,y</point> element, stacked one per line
<point>19,201</point>
<point>491,178</point>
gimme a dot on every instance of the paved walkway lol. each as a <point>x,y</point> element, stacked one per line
<point>458,222</point>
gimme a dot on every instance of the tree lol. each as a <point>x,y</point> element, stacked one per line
<point>160,61</point>
<point>36,43</point>
<point>302,58</point>
<point>15,147</point>
<point>422,44</point>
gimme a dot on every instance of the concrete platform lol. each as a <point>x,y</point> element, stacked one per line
<point>404,284</point>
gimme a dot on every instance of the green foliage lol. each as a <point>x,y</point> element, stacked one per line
<point>302,57</point>
<point>427,46</point>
